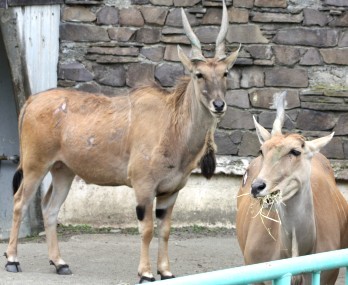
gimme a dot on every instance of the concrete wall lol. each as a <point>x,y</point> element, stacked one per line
<point>201,202</point>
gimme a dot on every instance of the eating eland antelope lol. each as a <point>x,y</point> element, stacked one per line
<point>150,140</point>
<point>288,204</point>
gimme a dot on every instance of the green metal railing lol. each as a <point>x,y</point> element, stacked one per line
<point>279,271</point>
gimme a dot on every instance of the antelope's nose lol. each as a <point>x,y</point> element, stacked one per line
<point>219,105</point>
<point>257,186</point>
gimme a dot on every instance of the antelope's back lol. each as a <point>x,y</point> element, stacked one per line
<point>331,208</point>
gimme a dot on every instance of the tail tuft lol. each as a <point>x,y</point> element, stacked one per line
<point>17,179</point>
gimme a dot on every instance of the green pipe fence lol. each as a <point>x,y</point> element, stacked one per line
<point>279,271</point>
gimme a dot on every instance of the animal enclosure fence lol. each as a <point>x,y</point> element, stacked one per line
<point>279,271</point>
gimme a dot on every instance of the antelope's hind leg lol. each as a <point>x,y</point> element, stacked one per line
<point>62,178</point>
<point>31,181</point>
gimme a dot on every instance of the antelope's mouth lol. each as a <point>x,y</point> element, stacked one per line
<point>270,199</point>
<point>217,114</point>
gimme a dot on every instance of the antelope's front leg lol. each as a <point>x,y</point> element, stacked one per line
<point>164,209</point>
<point>145,218</point>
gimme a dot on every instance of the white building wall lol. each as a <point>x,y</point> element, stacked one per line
<point>38,28</point>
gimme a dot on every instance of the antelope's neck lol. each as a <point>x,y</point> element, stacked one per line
<point>298,229</point>
<point>196,123</point>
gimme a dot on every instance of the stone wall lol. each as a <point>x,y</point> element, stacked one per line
<point>301,46</point>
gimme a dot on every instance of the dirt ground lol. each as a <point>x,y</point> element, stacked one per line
<point>112,258</point>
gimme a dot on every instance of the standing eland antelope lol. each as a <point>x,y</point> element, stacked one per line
<point>289,204</point>
<point>150,140</point>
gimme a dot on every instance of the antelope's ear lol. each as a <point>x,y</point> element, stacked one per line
<point>261,132</point>
<point>184,59</point>
<point>314,146</point>
<point>231,59</point>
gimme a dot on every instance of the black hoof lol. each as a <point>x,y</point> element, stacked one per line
<point>164,277</point>
<point>13,267</point>
<point>61,269</point>
<point>145,279</point>
<point>167,277</point>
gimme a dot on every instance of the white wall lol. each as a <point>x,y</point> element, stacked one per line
<point>200,202</point>
<point>38,28</point>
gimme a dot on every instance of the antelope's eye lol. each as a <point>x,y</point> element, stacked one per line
<point>225,74</point>
<point>199,75</point>
<point>294,152</point>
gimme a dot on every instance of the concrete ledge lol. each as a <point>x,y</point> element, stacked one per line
<point>201,202</point>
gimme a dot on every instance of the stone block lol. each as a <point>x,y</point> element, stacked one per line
<point>80,2</point>
<point>263,98</point>
<point>341,128</point>
<point>307,37</point>
<point>271,3</point>
<point>174,18</point>
<point>77,14</point>
<point>345,148</point>
<point>336,2</point>
<point>250,145</point>
<point>121,34</point>
<point>153,53</point>
<point>319,106</point>
<point>154,15</point>
<point>237,98</point>
<point>264,62</point>
<point>148,35</point>
<point>168,73</point>
<point>224,144</point>
<point>335,56</point>
<point>131,17</point>
<point>286,55</point>
<point>243,3</point>
<point>311,57</point>
<point>266,119</point>
<point>140,74</point>
<point>122,51</point>
<point>107,16</point>
<point>343,40</point>
<point>341,21</point>
<point>252,77</point>
<point>215,3</point>
<point>260,51</point>
<point>233,79</point>
<point>207,34</point>
<point>313,17</point>
<point>186,3</point>
<point>334,149</point>
<point>175,39</point>
<point>236,119</point>
<point>90,87</point>
<point>238,15</point>
<point>140,2</point>
<point>162,2</point>
<point>311,120</point>
<point>286,77</point>
<point>111,58</point>
<point>74,71</point>
<point>212,17</point>
<point>265,17</point>
<point>171,52</point>
<point>111,74</point>
<point>247,34</point>
<point>172,31</point>
<point>82,33</point>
